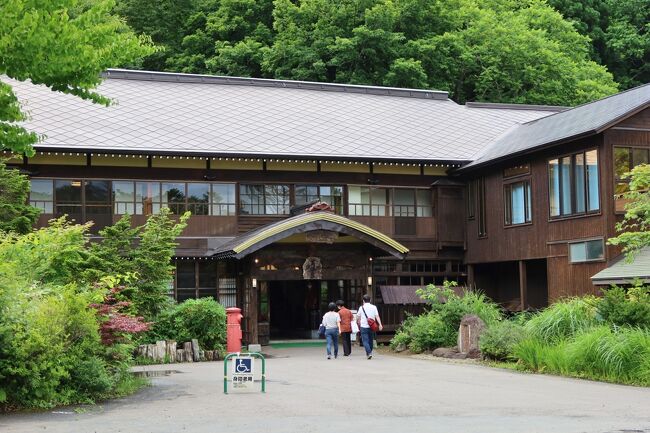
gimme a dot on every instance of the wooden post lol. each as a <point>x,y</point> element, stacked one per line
<point>523,285</point>
<point>470,276</point>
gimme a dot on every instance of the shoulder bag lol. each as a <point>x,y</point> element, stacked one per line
<point>374,326</point>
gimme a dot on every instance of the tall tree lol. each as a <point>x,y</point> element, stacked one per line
<point>15,214</point>
<point>620,35</point>
<point>490,50</point>
<point>64,45</point>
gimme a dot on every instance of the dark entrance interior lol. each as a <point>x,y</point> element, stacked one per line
<point>296,307</point>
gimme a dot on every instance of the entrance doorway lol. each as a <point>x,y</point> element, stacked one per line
<point>293,309</point>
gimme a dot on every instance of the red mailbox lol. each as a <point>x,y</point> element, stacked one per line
<point>233,329</point>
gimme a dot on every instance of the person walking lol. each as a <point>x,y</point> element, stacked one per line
<point>368,311</point>
<point>332,323</point>
<point>346,327</point>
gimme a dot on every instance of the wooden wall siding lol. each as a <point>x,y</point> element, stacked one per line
<point>566,279</point>
<point>526,242</point>
<point>382,224</point>
<point>640,120</point>
<point>450,210</point>
<point>246,223</point>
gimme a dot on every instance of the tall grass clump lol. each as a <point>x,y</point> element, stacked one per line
<point>563,320</point>
<point>617,354</point>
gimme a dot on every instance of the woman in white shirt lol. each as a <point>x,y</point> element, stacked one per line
<point>332,323</point>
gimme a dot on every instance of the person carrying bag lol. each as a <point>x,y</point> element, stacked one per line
<point>369,322</point>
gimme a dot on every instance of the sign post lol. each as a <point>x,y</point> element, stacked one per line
<point>243,370</point>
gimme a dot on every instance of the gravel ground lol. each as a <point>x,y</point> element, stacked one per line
<point>308,393</point>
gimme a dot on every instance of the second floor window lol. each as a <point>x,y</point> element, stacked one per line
<point>573,184</point>
<point>518,203</point>
<point>625,159</point>
<point>264,199</point>
<point>368,201</point>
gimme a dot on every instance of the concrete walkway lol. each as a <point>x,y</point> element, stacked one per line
<point>308,393</point>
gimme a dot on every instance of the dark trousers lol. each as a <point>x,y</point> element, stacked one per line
<point>367,336</point>
<point>347,343</point>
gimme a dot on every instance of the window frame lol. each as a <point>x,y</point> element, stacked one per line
<point>264,202</point>
<point>572,186</point>
<point>388,209</point>
<point>481,211</point>
<point>584,242</point>
<point>528,202</point>
<point>472,187</point>
<point>617,180</point>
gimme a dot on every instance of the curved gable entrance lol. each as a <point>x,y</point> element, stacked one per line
<point>291,269</point>
<point>308,222</point>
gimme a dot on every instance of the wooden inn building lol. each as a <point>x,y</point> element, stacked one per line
<point>303,193</point>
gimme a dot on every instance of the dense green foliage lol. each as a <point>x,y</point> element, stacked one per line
<point>143,253</point>
<point>203,319</point>
<point>598,338</point>
<point>489,50</point>
<point>606,338</point>
<point>623,307</point>
<point>635,228</point>
<point>69,308</point>
<point>499,341</point>
<point>439,326</point>
<point>620,35</point>
<point>51,350</point>
<point>64,45</point>
<point>15,214</point>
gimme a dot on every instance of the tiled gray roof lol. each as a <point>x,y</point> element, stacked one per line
<point>200,115</point>
<point>573,123</point>
<point>621,272</point>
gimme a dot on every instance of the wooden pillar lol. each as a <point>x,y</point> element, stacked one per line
<point>470,277</point>
<point>523,285</point>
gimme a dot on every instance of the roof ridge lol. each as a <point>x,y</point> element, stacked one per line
<point>177,77</point>
<point>514,106</point>
<point>588,103</point>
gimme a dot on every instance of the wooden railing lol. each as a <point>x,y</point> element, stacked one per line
<point>392,315</point>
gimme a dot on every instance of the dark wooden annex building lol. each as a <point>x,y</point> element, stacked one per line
<point>303,193</point>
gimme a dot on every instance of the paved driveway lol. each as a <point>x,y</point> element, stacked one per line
<point>307,393</point>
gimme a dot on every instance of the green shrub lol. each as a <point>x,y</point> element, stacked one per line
<point>439,326</point>
<point>499,340</point>
<point>429,331</point>
<point>203,319</point>
<point>51,351</point>
<point>563,319</point>
<point>626,307</point>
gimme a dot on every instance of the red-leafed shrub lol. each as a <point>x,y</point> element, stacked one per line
<point>117,323</point>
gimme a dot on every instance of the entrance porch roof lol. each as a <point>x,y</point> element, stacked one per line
<point>254,240</point>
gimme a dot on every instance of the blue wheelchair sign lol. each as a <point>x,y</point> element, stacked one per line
<point>243,366</point>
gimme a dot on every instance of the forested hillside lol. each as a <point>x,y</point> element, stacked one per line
<point>526,51</point>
